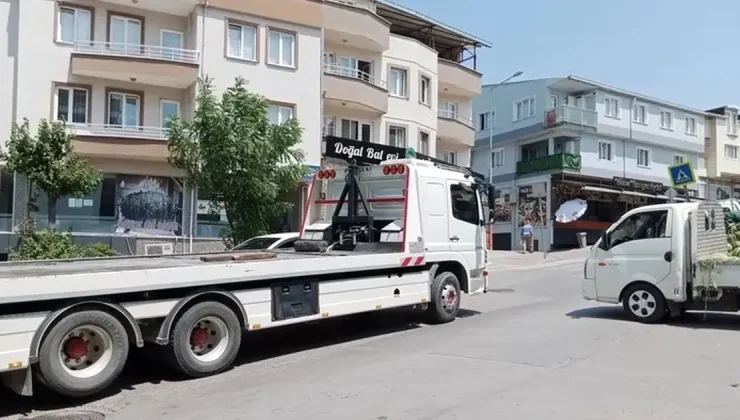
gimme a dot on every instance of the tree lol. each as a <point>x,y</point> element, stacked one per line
<point>232,152</point>
<point>50,163</point>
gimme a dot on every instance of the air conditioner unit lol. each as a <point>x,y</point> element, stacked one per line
<point>158,249</point>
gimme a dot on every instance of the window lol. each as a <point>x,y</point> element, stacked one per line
<point>666,120</point>
<point>123,109</point>
<point>679,159</point>
<point>482,121</point>
<point>330,126</point>
<point>690,125</point>
<point>424,88</point>
<point>448,110</point>
<point>648,225</point>
<point>643,158</point>
<point>74,25</point>
<point>639,114</point>
<point>553,101</point>
<point>731,152</point>
<point>125,34</point>
<point>72,105</point>
<point>356,130</point>
<point>524,109</point>
<point>397,80</point>
<point>242,42</point>
<point>497,158</point>
<point>464,201</point>
<point>450,157</point>
<point>606,150</point>
<point>397,136</point>
<point>731,123</point>
<point>353,67</point>
<point>281,49</point>
<point>423,143</point>
<point>171,42</point>
<point>279,114</point>
<point>611,107</point>
<point>168,109</point>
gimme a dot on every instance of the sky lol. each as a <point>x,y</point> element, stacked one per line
<point>682,51</point>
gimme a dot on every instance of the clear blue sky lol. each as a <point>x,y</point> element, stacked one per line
<point>682,51</point>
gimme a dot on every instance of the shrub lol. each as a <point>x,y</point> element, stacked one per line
<point>49,244</point>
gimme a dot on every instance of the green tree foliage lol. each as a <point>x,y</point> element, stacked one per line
<point>49,244</point>
<point>232,152</point>
<point>50,163</point>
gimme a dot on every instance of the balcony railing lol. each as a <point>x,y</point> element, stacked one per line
<point>565,114</point>
<point>126,131</point>
<point>353,73</point>
<point>454,115</point>
<point>548,163</point>
<point>153,52</point>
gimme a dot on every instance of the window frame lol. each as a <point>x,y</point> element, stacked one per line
<point>403,129</point>
<point>732,123</point>
<point>683,157</point>
<point>338,128</point>
<point>405,87</point>
<point>163,101</point>
<point>449,155</point>
<point>426,91</point>
<point>553,101</point>
<point>666,115</point>
<point>70,101</point>
<point>76,9</point>
<point>635,115</point>
<point>497,151</point>
<point>653,215</point>
<point>615,107</point>
<point>531,100</point>
<point>125,94</point>
<point>293,54</point>
<point>280,106</point>
<point>255,45</point>
<point>476,204</point>
<point>732,147</point>
<point>686,130</point>
<point>426,142</point>
<point>649,152</point>
<point>612,150</point>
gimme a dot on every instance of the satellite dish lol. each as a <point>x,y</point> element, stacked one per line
<point>571,210</point>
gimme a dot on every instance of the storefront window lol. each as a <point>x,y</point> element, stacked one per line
<point>210,218</point>
<point>6,201</point>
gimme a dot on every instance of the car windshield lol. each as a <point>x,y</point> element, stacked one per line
<point>256,243</point>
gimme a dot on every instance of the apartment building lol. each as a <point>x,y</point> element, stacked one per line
<point>395,77</point>
<point>722,151</point>
<point>577,138</point>
<point>117,70</point>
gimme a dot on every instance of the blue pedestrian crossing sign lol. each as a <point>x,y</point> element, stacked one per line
<point>682,174</point>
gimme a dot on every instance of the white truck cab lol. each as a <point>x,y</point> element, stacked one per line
<point>647,260</point>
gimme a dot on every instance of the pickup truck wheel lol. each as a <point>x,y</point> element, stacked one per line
<point>644,303</point>
<point>445,298</point>
<point>205,340</point>
<point>83,354</point>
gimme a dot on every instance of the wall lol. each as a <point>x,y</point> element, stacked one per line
<point>300,87</point>
<point>9,16</point>
<point>717,164</point>
<point>504,97</point>
<point>417,59</point>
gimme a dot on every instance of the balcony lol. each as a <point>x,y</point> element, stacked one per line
<point>120,142</point>
<point>565,114</point>
<point>549,163</point>
<point>456,79</point>
<point>355,26</point>
<point>350,88</point>
<point>170,7</point>
<point>453,126</point>
<point>147,64</point>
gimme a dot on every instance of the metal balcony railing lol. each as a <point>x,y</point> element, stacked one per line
<point>351,72</point>
<point>454,115</point>
<point>111,130</point>
<point>548,163</point>
<point>154,52</point>
<point>565,114</point>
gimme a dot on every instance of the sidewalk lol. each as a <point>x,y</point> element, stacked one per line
<point>511,259</point>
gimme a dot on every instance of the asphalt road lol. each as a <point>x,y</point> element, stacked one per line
<point>531,350</point>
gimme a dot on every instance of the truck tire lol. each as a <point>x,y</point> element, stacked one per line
<point>644,303</point>
<point>445,295</point>
<point>83,353</point>
<point>205,340</point>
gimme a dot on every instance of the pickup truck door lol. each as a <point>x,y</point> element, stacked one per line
<point>465,231</point>
<point>639,248</point>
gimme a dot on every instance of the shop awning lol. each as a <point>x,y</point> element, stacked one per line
<point>600,189</point>
<point>639,194</point>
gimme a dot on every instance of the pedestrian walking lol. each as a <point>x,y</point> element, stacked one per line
<point>527,237</point>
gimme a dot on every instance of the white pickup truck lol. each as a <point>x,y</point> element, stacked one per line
<point>656,260</point>
<point>404,233</point>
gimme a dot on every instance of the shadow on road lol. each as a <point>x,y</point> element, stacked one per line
<point>146,366</point>
<point>698,320</point>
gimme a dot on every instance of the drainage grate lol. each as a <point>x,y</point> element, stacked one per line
<point>500,290</point>
<point>70,415</point>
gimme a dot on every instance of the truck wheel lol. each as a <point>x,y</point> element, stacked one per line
<point>205,340</point>
<point>445,299</point>
<point>83,353</point>
<point>644,303</point>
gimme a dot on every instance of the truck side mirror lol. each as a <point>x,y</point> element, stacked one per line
<point>491,198</point>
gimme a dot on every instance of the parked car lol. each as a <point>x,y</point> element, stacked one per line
<point>271,241</point>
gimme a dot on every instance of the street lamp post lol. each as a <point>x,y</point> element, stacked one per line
<point>490,122</point>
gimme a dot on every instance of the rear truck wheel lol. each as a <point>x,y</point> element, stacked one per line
<point>205,340</point>
<point>83,354</point>
<point>644,303</point>
<point>445,297</point>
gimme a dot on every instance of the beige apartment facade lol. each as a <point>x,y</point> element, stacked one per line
<point>116,70</point>
<point>722,155</point>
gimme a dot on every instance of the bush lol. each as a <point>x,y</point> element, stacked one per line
<point>51,245</point>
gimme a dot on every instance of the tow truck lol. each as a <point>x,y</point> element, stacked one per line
<point>406,232</point>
